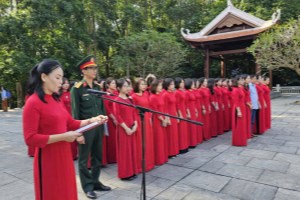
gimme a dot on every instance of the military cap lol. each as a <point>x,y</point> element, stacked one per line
<point>88,61</point>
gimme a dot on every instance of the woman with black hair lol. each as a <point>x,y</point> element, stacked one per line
<point>206,107</point>
<point>192,112</point>
<point>159,124</point>
<point>239,132</point>
<point>214,106</point>
<point>149,79</point>
<point>65,94</point>
<point>141,98</point>
<point>126,133</point>
<point>110,87</point>
<point>46,125</point>
<point>180,95</point>
<point>170,108</point>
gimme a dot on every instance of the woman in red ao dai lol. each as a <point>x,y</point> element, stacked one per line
<point>170,108</point>
<point>181,106</point>
<point>126,133</point>
<point>159,123</point>
<point>141,98</point>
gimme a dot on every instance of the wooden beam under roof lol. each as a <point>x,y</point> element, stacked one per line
<point>235,51</point>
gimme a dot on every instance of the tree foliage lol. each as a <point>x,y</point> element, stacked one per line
<point>149,52</point>
<point>279,47</point>
<point>31,30</point>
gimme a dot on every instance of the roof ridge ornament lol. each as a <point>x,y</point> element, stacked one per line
<point>183,30</point>
<point>229,3</point>
<point>276,16</point>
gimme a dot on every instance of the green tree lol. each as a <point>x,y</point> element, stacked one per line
<point>31,30</point>
<point>149,52</point>
<point>279,47</point>
<point>42,29</point>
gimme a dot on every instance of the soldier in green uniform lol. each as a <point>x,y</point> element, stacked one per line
<point>84,106</point>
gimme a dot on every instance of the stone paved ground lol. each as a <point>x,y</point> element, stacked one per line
<point>268,168</point>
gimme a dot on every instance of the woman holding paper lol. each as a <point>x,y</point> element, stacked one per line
<point>45,125</point>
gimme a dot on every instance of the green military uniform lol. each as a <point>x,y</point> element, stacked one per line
<point>85,106</point>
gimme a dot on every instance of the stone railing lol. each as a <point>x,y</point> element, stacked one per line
<point>287,89</point>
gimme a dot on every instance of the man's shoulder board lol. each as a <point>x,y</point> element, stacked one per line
<point>77,85</point>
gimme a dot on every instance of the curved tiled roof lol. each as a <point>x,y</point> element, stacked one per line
<point>258,25</point>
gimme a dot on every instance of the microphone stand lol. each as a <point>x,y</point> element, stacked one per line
<point>142,111</point>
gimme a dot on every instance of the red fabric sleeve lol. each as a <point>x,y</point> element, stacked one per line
<point>153,104</point>
<point>136,115</point>
<point>135,102</point>
<point>72,123</point>
<point>187,100</point>
<point>116,111</point>
<point>109,105</point>
<point>31,120</point>
<point>235,98</point>
<point>177,97</point>
<point>165,98</point>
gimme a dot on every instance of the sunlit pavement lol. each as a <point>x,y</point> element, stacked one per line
<point>268,168</point>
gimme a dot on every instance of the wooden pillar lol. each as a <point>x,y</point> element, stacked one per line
<point>271,78</point>
<point>223,68</point>
<point>206,64</point>
<point>257,69</point>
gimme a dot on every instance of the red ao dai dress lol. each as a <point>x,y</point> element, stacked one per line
<point>182,125</point>
<point>53,168</point>
<point>159,132</point>
<point>143,100</point>
<point>267,97</point>
<point>126,144</point>
<point>248,112</point>
<point>205,93</point>
<point>239,132</point>
<point>227,110</point>
<point>213,115</point>
<point>191,105</point>
<point>230,107</point>
<point>111,154</point>
<point>171,130</point>
<point>220,120</point>
<point>199,102</point>
<point>262,110</point>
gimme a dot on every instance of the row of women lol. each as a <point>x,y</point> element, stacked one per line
<point>220,104</point>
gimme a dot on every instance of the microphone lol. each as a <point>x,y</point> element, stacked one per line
<point>97,92</point>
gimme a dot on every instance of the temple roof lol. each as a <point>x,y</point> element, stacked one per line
<point>228,19</point>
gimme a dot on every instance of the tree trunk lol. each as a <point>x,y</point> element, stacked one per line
<point>19,92</point>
